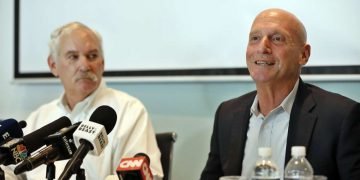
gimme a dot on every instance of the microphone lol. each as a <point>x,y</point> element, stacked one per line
<point>22,124</point>
<point>10,128</point>
<point>17,149</point>
<point>90,136</point>
<point>136,168</point>
<point>60,146</point>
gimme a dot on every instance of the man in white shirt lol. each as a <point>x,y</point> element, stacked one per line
<point>76,57</point>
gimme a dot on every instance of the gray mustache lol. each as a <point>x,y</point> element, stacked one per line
<point>91,76</point>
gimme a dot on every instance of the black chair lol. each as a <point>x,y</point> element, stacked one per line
<point>165,142</point>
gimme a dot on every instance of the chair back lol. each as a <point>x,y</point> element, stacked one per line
<point>165,143</point>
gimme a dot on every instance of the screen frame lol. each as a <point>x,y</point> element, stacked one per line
<point>351,72</point>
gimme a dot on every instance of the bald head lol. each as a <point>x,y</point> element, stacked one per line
<point>285,18</point>
<point>277,49</point>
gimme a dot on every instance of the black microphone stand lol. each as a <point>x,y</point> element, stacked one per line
<point>50,171</point>
<point>73,165</point>
<point>2,174</point>
<point>80,174</point>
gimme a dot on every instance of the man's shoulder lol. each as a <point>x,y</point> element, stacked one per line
<point>321,95</point>
<point>118,97</point>
<point>248,97</point>
<point>42,115</point>
<point>241,102</point>
<point>47,107</point>
<point>118,93</point>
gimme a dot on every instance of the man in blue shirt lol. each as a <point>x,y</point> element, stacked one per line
<point>284,111</point>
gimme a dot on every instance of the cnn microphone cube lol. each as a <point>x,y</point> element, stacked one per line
<point>134,167</point>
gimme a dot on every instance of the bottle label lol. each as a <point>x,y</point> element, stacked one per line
<point>298,178</point>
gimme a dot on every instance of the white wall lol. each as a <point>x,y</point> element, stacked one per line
<point>182,34</point>
<point>187,108</point>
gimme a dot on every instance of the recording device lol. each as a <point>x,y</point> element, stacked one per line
<point>135,168</point>
<point>17,149</point>
<point>10,128</point>
<point>90,136</point>
<point>60,146</point>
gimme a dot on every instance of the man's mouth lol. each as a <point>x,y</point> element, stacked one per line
<point>264,63</point>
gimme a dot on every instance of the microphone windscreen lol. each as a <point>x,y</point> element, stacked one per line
<point>22,124</point>
<point>106,116</point>
<point>36,139</point>
<point>144,155</point>
<point>10,128</point>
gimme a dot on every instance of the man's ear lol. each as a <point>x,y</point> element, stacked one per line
<point>305,54</point>
<point>103,65</point>
<point>52,65</point>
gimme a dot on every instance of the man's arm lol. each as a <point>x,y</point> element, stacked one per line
<point>348,155</point>
<point>138,136</point>
<point>213,168</point>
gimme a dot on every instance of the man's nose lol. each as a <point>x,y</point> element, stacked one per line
<point>84,63</point>
<point>265,45</point>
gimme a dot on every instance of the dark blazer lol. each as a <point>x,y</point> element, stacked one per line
<point>328,124</point>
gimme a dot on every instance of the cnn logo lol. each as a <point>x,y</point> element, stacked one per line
<point>131,163</point>
<point>137,164</point>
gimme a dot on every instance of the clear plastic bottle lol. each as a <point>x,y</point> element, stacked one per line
<point>265,168</point>
<point>298,168</point>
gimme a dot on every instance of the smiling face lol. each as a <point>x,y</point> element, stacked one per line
<point>79,63</point>
<point>277,47</point>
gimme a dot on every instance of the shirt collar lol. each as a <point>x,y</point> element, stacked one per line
<point>286,104</point>
<point>62,103</point>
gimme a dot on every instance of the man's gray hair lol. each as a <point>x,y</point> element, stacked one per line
<point>66,29</point>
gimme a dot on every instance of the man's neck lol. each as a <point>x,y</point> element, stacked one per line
<point>272,95</point>
<point>72,97</point>
<point>72,100</point>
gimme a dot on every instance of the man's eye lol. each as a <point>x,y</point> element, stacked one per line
<point>277,38</point>
<point>93,56</point>
<point>73,57</point>
<point>254,38</point>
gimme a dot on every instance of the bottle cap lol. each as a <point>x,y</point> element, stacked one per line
<point>298,151</point>
<point>264,151</point>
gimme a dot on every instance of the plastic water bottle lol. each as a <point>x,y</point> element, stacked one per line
<point>265,168</point>
<point>298,168</point>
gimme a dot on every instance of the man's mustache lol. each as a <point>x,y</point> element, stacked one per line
<point>89,75</point>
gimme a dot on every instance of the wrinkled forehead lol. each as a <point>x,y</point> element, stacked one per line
<point>79,38</point>
<point>275,18</point>
<point>79,33</point>
<point>280,20</point>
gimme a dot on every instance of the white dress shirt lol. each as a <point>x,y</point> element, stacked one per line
<point>133,132</point>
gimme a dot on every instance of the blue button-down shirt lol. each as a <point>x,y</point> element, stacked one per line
<point>268,131</point>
